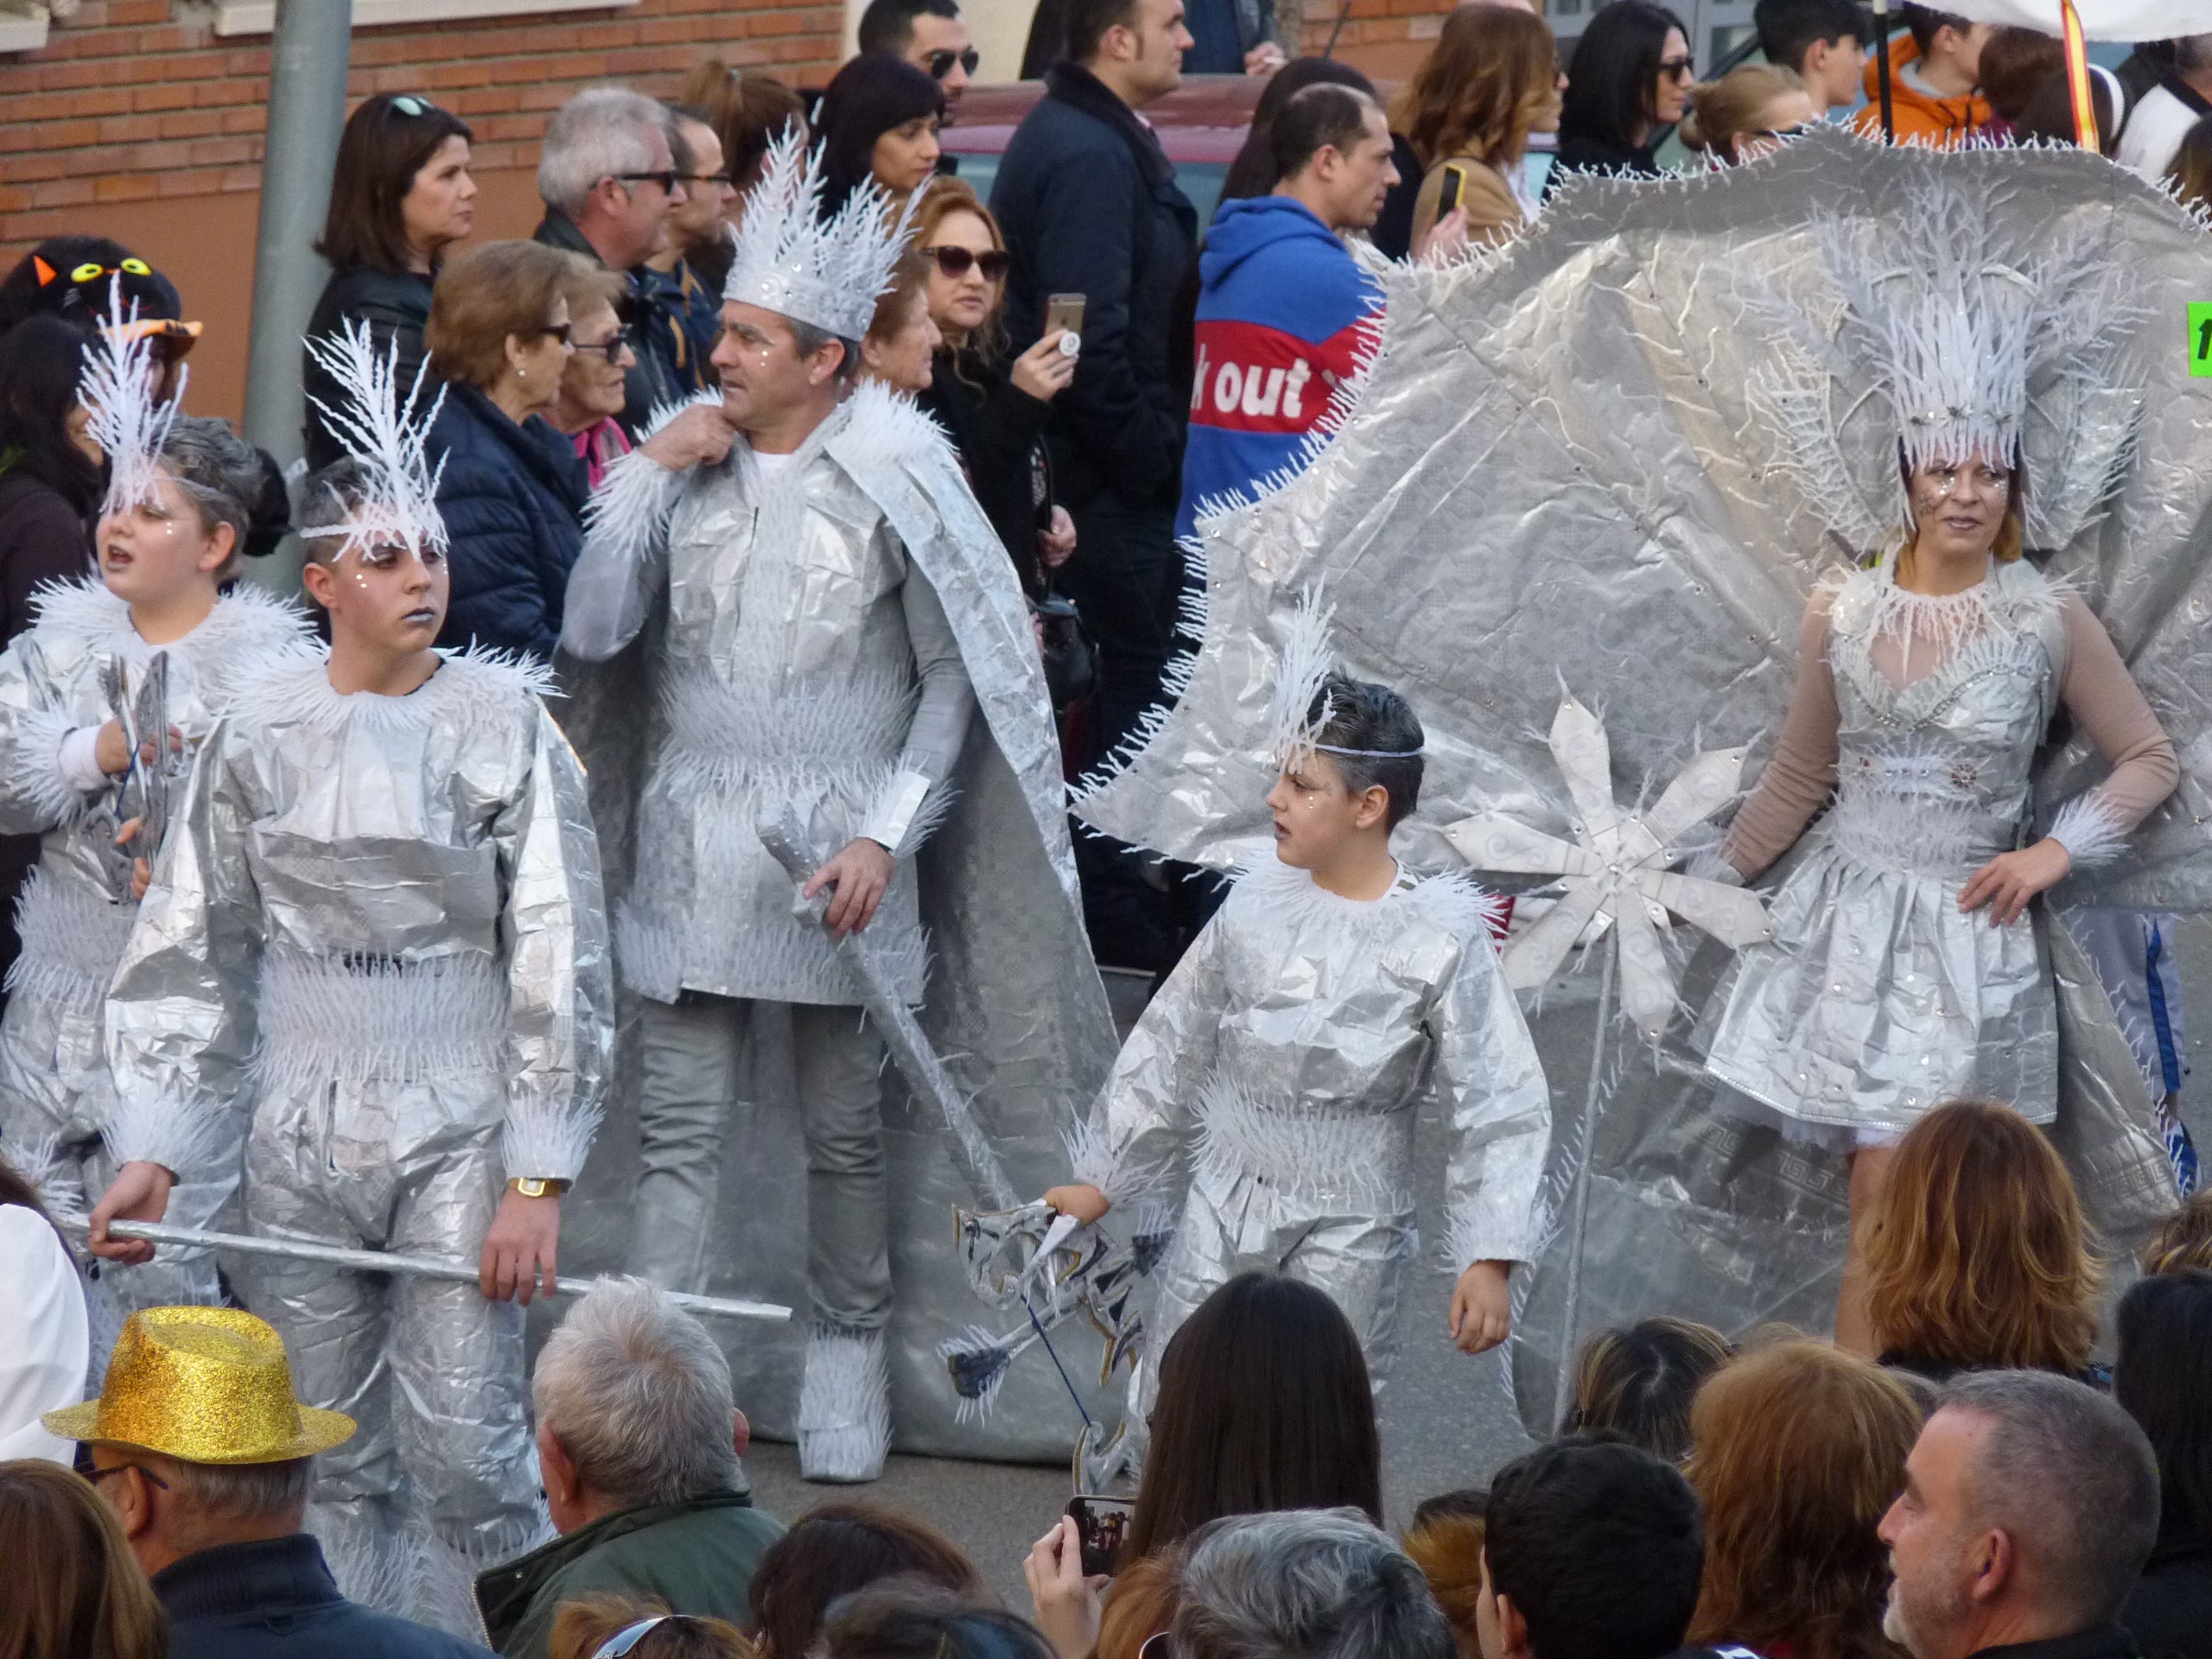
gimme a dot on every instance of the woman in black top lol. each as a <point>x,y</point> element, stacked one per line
<point>401,196</point>
<point>995,408</point>
<point>1627,84</point>
<point>878,119</point>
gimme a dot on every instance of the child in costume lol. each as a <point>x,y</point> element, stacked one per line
<point>1289,1050</point>
<point>379,933</point>
<point>167,607</point>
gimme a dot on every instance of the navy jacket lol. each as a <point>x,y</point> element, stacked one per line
<point>276,1601</point>
<point>1089,204</point>
<point>513,497</point>
<point>396,304</point>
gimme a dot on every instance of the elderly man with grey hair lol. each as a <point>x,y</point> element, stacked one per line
<point>639,1441</point>
<point>2029,1505</point>
<point>1304,1584</point>
<point>609,180</point>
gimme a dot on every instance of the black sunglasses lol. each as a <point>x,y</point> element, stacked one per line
<point>561,331</point>
<point>610,348</point>
<point>704,178</point>
<point>665,178</point>
<point>955,261</point>
<point>941,63</point>
<point>1678,68</point>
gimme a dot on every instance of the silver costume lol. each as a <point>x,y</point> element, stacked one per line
<point>1287,1057</point>
<point>378,932</point>
<point>823,626</point>
<point>1559,468</point>
<point>57,1099</point>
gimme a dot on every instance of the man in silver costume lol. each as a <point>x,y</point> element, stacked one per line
<point>835,609</point>
<point>1294,1043</point>
<point>182,494</point>
<point>379,931</point>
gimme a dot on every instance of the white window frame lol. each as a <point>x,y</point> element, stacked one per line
<point>231,18</point>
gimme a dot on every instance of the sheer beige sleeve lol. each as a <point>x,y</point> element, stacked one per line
<point>2104,700</point>
<point>1801,771</point>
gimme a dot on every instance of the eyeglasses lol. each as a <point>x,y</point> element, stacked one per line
<point>706,178</point>
<point>940,64</point>
<point>563,332</point>
<point>665,178</point>
<point>408,103</point>
<point>955,261</point>
<point>96,1476</point>
<point>1797,131</point>
<point>1677,69</point>
<point>611,348</point>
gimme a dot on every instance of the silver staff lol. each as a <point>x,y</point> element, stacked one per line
<point>419,1267</point>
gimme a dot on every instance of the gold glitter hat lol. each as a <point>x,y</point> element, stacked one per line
<point>201,1385</point>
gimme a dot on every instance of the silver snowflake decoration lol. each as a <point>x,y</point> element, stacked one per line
<point>1617,870</point>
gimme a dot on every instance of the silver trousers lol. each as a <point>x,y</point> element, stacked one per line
<point>432,1372</point>
<point>691,1052</point>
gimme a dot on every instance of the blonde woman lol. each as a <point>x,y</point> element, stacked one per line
<point>1746,113</point>
<point>1493,79</point>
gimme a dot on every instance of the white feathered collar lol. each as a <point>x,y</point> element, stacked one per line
<point>469,684</point>
<point>84,617</point>
<point>1446,900</point>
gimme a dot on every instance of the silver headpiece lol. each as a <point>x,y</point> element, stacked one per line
<point>1301,708</point>
<point>376,427</point>
<point>127,421</point>
<point>1956,339</point>
<point>825,273</point>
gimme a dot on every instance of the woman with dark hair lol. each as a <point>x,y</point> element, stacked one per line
<point>591,1626</point>
<point>50,477</point>
<point>1492,80</point>
<point>402,193</point>
<point>512,488</point>
<point>1638,1382</point>
<point>878,120</point>
<point>919,1621</point>
<point>43,1366</point>
<point>1253,172</point>
<point>1627,83</point>
<point>836,1549</point>
<point>2164,1327</point>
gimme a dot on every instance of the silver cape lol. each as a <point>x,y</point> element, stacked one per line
<point>74,914</point>
<point>767,693</point>
<point>1556,471</point>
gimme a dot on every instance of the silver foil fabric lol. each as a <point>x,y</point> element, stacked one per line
<point>378,929</point>
<point>75,912</point>
<point>1557,476</point>
<point>983,905</point>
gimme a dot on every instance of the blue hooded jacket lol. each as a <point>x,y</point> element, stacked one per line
<point>1284,311</point>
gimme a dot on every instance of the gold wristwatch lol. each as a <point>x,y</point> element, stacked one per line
<point>538,1187</point>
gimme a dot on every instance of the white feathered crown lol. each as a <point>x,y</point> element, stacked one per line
<point>128,422</point>
<point>788,259</point>
<point>379,426</point>
<point>1955,341</point>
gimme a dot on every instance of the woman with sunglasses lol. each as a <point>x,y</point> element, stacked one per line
<point>878,120</point>
<point>591,397</point>
<point>401,196</point>
<point>1746,113</point>
<point>1627,84</point>
<point>995,408</point>
<point>512,489</point>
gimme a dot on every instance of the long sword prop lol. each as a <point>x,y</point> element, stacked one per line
<point>412,1266</point>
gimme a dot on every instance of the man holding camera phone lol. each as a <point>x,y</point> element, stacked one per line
<point>1090,205</point>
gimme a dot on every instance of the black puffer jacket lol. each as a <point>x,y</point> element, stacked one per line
<point>513,497</point>
<point>396,304</point>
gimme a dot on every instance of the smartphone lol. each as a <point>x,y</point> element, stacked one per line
<point>1455,180</point>
<point>1102,1524</point>
<point>1063,311</point>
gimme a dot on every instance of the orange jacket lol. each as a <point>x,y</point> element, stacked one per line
<point>1921,119</point>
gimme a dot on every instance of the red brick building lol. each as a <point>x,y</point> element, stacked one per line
<point>142,119</point>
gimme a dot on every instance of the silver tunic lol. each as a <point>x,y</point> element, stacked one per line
<point>74,915</point>
<point>1287,1057</point>
<point>378,928</point>
<point>1878,997</point>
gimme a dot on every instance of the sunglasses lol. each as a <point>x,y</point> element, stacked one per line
<point>955,261</point>
<point>408,103</point>
<point>1677,69</point>
<point>1797,131</point>
<point>610,348</point>
<point>706,178</point>
<point>940,64</point>
<point>666,178</point>
<point>563,332</point>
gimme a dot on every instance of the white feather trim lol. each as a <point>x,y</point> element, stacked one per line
<point>788,258</point>
<point>627,514</point>
<point>844,1405</point>
<point>39,781</point>
<point>72,940</point>
<point>1361,1162</point>
<point>117,390</point>
<point>47,1168</point>
<point>2092,830</point>
<point>546,1134</point>
<point>402,1022</point>
<point>473,684</point>
<point>382,428</point>
<point>184,1136</point>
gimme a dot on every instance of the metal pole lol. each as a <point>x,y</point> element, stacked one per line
<point>1882,71</point>
<point>308,57</point>
<point>1578,1208</point>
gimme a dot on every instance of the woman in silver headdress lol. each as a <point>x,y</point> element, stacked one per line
<point>1905,966</point>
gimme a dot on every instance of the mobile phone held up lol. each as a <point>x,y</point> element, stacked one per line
<point>1101,1523</point>
<point>1455,183</point>
<point>1064,311</point>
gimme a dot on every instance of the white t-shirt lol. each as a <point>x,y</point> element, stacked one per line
<point>2154,133</point>
<point>49,1342</point>
<point>770,465</point>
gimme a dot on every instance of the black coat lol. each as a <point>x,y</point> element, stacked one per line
<point>2169,1613</point>
<point>276,1601</point>
<point>999,430</point>
<point>668,372</point>
<point>1089,205</point>
<point>513,497</point>
<point>1587,152</point>
<point>396,304</point>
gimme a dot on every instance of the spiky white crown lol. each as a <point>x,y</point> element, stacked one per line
<point>827,274</point>
<point>127,421</point>
<point>376,424</point>
<point>1295,724</point>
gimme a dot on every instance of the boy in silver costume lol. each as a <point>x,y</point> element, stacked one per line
<point>836,611</point>
<point>378,932</point>
<point>170,539</point>
<point>1291,1048</point>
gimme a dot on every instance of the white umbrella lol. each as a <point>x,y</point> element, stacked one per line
<point>2101,20</point>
